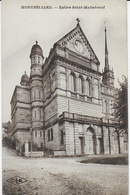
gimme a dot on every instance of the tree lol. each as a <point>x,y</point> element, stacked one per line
<point>121,104</point>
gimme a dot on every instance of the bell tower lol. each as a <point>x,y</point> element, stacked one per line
<point>108,74</point>
<point>36,57</point>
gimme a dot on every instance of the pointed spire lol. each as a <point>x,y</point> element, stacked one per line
<point>106,51</point>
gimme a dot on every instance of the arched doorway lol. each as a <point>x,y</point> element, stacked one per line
<point>90,141</point>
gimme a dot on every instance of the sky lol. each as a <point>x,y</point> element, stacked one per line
<point>22,27</point>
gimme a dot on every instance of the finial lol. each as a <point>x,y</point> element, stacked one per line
<point>24,72</point>
<point>36,42</point>
<point>78,21</point>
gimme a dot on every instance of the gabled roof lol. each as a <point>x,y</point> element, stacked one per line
<point>77,34</point>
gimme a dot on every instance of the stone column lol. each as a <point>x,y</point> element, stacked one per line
<point>76,139</point>
<point>67,138</point>
<point>26,148</point>
<point>77,84</point>
<point>92,87</point>
<point>84,85</point>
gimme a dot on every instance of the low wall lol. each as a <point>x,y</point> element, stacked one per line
<point>35,154</point>
<point>59,152</point>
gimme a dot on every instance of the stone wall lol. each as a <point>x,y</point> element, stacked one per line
<point>23,94</point>
<point>55,142</point>
<point>20,137</point>
<point>78,106</point>
<point>79,139</point>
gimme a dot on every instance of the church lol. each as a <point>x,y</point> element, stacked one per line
<point>65,106</point>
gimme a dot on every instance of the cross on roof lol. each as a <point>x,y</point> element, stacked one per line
<point>78,20</point>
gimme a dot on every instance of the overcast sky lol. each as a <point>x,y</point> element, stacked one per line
<point>22,27</point>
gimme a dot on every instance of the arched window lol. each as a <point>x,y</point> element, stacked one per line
<point>88,85</point>
<point>34,94</point>
<point>81,89</point>
<point>73,82</point>
<point>40,114</point>
<point>39,60</point>
<point>39,94</point>
<point>35,114</point>
<point>96,91</point>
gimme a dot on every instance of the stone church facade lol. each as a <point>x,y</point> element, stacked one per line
<point>65,106</point>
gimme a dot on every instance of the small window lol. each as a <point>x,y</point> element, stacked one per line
<point>39,94</point>
<point>34,94</point>
<point>51,134</point>
<point>40,133</point>
<point>40,114</point>
<point>38,59</point>
<point>48,135</point>
<point>35,114</point>
<point>35,133</point>
<point>73,82</point>
<point>81,89</point>
<point>88,83</point>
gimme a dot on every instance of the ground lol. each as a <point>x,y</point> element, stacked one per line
<point>62,176</point>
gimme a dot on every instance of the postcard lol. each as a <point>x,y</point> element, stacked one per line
<point>64,97</point>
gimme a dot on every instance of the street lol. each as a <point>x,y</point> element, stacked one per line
<point>61,176</point>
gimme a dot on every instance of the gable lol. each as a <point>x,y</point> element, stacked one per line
<point>77,42</point>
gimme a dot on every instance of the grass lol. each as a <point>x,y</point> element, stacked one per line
<point>111,160</point>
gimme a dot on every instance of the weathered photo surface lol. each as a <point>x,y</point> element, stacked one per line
<point>64,97</point>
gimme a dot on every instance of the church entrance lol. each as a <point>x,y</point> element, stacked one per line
<point>90,141</point>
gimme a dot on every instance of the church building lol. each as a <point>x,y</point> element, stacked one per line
<point>65,106</point>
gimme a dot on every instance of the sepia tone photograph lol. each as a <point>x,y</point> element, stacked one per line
<point>64,97</point>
